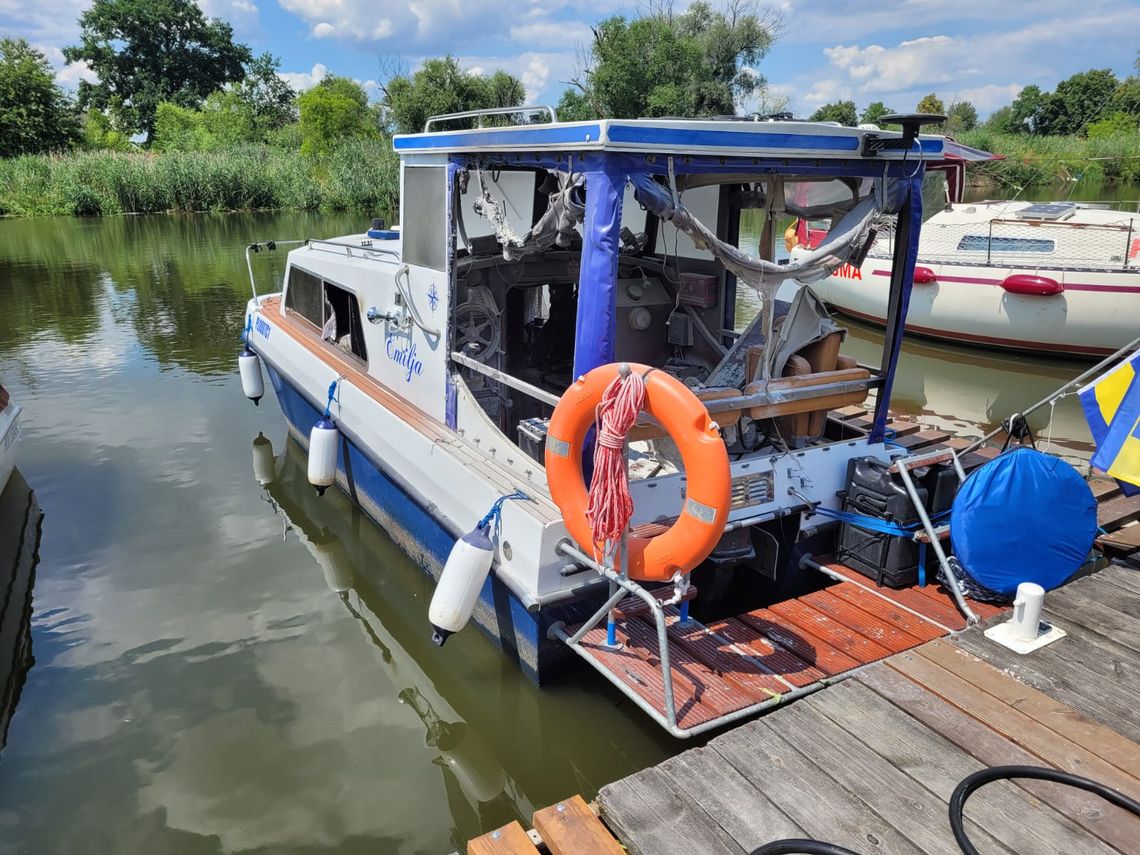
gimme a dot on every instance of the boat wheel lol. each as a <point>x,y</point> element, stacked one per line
<point>477,325</point>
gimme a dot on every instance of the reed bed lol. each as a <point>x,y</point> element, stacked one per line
<point>358,175</point>
<point>1032,160</point>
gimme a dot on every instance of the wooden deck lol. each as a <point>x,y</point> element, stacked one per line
<point>870,762</point>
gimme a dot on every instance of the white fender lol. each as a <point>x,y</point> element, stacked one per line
<point>252,383</point>
<point>324,442</point>
<point>459,585</point>
<point>264,470</point>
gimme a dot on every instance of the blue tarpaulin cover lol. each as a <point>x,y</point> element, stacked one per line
<point>1022,517</point>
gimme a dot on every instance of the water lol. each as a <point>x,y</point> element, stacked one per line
<point>222,667</point>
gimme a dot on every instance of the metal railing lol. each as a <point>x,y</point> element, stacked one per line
<point>494,111</point>
<point>271,246</point>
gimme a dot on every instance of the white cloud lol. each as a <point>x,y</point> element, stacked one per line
<point>323,30</point>
<point>548,33</point>
<point>302,80</point>
<point>70,75</point>
<point>242,14</point>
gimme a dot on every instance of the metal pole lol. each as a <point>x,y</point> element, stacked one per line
<point>1057,393</point>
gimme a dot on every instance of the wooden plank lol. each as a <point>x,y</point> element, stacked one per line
<point>924,439</point>
<point>807,647</point>
<point>1114,513</point>
<point>511,839</point>
<point>651,815</point>
<point>805,619</point>
<point>920,628</point>
<point>1104,488</point>
<point>847,413</point>
<point>914,811</point>
<point>569,827</point>
<point>1014,817</point>
<point>1075,671</point>
<point>1051,747</point>
<point>813,800</point>
<point>737,805</point>
<point>1122,577</point>
<point>902,427</point>
<point>867,624</point>
<point>1112,825</point>
<point>1058,717</point>
<point>1124,540</point>
<point>1096,617</point>
<point>1109,593</point>
<point>774,657</point>
<point>730,663</point>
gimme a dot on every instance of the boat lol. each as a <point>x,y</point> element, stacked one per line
<point>548,277</point>
<point>1060,278</point>
<point>20,523</point>
<point>9,434</point>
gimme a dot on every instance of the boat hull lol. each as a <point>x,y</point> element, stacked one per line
<point>1094,315</point>
<point>521,633</point>
<point>9,434</point>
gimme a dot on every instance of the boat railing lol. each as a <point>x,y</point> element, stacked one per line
<point>1011,242</point>
<point>480,115</point>
<point>259,246</point>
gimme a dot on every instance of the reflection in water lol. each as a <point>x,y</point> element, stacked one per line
<point>20,523</point>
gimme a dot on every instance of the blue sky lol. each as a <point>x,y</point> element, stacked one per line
<point>977,50</point>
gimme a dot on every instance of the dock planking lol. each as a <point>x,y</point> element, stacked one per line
<point>870,762</point>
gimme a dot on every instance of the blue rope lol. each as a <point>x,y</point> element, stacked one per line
<point>493,517</point>
<point>889,437</point>
<point>332,396</point>
<point>875,524</point>
<point>248,329</point>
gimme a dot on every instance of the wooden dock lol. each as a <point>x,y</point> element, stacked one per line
<point>869,763</point>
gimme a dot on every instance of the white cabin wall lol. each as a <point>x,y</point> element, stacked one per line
<point>704,204</point>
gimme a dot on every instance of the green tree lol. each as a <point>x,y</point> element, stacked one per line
<point>1026,110</point>
<point>931,104</point>
<point>1077,101</point>
<point>700,63</point>
<point>35,115</point>
<point>875,111</point>
<point>841,111</point>
<point>271,103</point>
<point>962,116</point>
<point>441,86</point>
<point>1002,121</point>
<point>148,51</point>
<point>99,133</point>
<point>333,110</point>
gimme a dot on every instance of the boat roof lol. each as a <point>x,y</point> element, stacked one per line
<point>734,138</point>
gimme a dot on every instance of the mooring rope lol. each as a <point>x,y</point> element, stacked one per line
<point>610,505</point>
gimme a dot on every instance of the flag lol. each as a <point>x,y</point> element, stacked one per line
<point>1112,409</point>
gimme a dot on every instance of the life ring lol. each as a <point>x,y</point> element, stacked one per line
<point>708,479</point>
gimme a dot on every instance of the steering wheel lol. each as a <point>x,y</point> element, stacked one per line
<point>476,325</point>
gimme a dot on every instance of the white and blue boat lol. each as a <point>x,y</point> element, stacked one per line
<point>444,373</point>
<point>9,435</point>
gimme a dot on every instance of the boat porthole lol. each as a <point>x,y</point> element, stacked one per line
<point>507,550</point>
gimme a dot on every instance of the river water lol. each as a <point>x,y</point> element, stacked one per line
<point>224,662</point>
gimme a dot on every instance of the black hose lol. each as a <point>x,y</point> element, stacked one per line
<point>985,776</point>
<point>792,846</point>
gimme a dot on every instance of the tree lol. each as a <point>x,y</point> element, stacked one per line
<point>962,116</point>
<point>333,110</point>
<point>1002,121</point>
<point>875,111</point>
<point>841,111</point>
<point>148,51</point>
<point>700,63</point>
<point>35,115</point>
<point>931,104</point>
<point>270,102</point>
<point>1077,101</point>
<point>99,133</point>
<point>1026,108</point>
<point>441,86</point>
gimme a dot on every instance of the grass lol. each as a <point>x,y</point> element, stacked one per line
<point>358,175</point>
<point>1048,160</point>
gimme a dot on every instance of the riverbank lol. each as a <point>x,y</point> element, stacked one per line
<point>1031,161</point>
<point>358,175</point>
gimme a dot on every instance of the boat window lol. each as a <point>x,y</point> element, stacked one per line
<point>985,243</point>
<point>423,216</point>
<point>704,202</point>
<point>342,324</point>
<point>303,295</point>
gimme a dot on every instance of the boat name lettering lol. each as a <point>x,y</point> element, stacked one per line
<point>262,327</point>
<point>405,357</point>
<point>849,271</point>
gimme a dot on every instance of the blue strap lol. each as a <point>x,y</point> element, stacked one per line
<point>248,329</point>
<point>493,517</point>
<point>876,524</point>
<point>922,564</point>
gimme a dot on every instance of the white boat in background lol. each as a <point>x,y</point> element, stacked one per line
<point>1060,278</point>
<point>9,433</point>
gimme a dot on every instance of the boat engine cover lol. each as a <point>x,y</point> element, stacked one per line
<point>1022,517</point>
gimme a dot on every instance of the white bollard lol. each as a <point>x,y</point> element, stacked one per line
<point>1026,619</point>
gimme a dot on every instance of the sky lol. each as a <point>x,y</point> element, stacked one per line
<point>982,51</point>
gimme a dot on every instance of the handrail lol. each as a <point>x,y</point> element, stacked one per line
<point>413,312</point>
<point>271,245</point>
<point>317,243</point>
<point>493,111</point>
<point>504,378</point>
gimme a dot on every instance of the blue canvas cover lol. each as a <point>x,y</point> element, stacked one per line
<point>1022,517</point>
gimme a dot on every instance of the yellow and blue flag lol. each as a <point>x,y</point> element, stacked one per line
<point>1112,409</point>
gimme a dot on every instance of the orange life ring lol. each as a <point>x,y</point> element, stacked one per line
<point>708,479</point>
